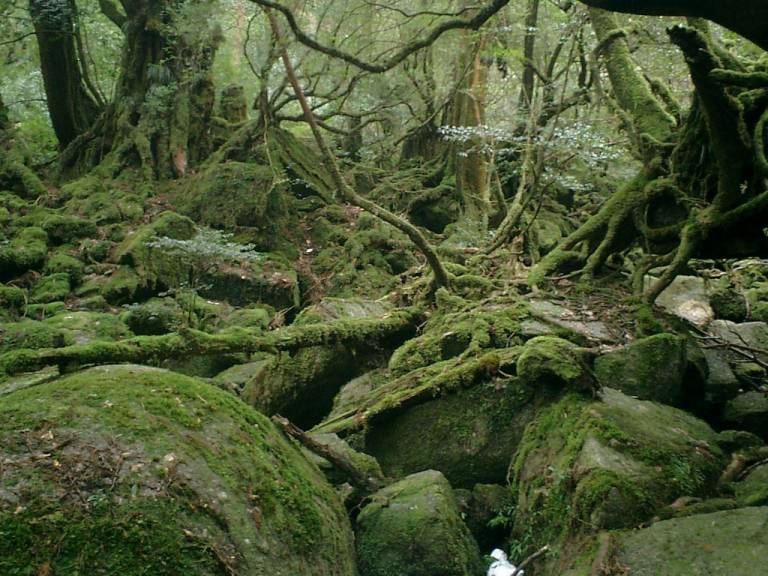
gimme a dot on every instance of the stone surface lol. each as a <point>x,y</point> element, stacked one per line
<point>753,490</point>
<point>652,368</point>
<point>551,316</point>
<point>413,527</point>
<point>748,411</point>
<point>731,542</point>
<point>686,297</point>
<point>133,470</point>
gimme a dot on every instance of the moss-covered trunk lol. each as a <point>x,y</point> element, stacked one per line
<point>160,118</point>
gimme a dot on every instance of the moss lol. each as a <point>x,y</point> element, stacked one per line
<point>12,299</point>
<point>413,527</point>
<point>26,251</point>
<point>65,263</point>
<point>32,334</point>
<point>103,201</point>
<point>157,316</point>
<point>134,250</point>
<point>51,288</point>
<point>646,322</point>
<point>177,472</point>
<point>585,465</point>
<point>467,331</point>
<point>121,286</point>
<point>42,311</point>
<point>753,490</point>
<point>237,195</point>
<point>89,326</point>
<point>651,368</point>
<point>65,229</point>
<point>728,304</point>
<point>550,360</point>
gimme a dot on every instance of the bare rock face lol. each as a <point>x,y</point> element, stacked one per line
<point>132,470</point>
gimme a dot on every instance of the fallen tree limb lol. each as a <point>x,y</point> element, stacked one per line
<point>357,477</point>
<point>152,349</point>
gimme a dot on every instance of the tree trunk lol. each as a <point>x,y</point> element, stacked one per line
<point>71,107</point>
<point>160,120</point>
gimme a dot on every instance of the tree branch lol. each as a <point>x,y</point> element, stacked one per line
<point>480,18</point>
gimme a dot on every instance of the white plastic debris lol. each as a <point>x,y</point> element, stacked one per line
<point>501,566</point>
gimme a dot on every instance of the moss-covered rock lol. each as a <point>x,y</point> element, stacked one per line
<point>585,465</point>
<point>65,263</point>
<point>12,299</point>
<point>548,359</point>
<point>753,490</point>
<point>26,251</point>
<point>652,368</point>
<point>51,288</point>
<point>748,411</point>
<point>142,470</point>
<point>32,334</point>
<point>727,542</point>
<point>469,435</point>
<point>85,327</point>
<point>65,229</point>
<point>156,316</point>
<point>413,527</point>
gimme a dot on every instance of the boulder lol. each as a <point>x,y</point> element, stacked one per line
<point>748,411</point>
<point>686,297</point>
<point>132,470</point>
<point>607,464</point>
<point>753,490</point>
<point>726,542</point>
<point>651,368</point>
<point>413,527</point>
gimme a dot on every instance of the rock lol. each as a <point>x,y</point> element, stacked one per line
<point>64,229</point>
<point>721,383</point>
<point>469,435</point>
<point>128,469</point>
<point>651,368</point>
<point>686,298</point>
<point>735,440</point>
<point>584,465</point>
<point>753,490</point>
<point>26,251</point>
<point>487,510</point>
<point>154,317</point>
<point>363,462</point>
<point>51,288</point>
<point>548,360</point>
<point>748,411</point>
<point>413,527</point>
<point>84,327</point>
<point>236,377</point>
<point>750,334</point>
<point>727,542</point>
<point>552,318</point>
<point>32,334</point>
<point>336,308</point>
<point>728,304</point>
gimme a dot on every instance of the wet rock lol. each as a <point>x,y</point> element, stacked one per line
<point>652,368</point>
<point>413,527</point>
<point>169,472</point>
<point>727,542</point>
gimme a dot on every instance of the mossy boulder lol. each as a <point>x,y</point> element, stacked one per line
<point>134,250</point>
<point>469,435</point>
<point>26,251</point>
<point>156,316</point>
<point>651,368</point>
<point>748,411</point>
<point>51,288</point>
<point>32,334</point>
<point>12,299</point>
<point>549,360</point>
<point>753,490</point>
<point>607,464</point>
<point>132,470</point>
<point>726,542</point>
<point>66,229</point>
<point>413,527</point>
<point>85,327</point>
<point>64,263</point>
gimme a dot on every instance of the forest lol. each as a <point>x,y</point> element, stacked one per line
<point>410,288</point>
